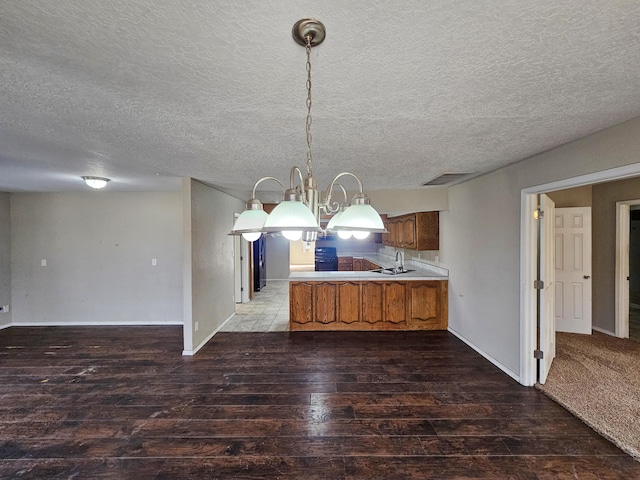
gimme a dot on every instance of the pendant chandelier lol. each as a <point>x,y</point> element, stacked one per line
<point>297,216</point>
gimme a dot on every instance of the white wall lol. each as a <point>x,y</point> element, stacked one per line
<point>301,253</point>
<point>277,257</point>
<point>394,202</point>
<point>209,262</point>
<point>5,257</point>
<point>482,232</point>
<point>572,197</point>
<point>98,248</point>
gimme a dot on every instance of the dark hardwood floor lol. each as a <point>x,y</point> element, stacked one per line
<point>120,403</point>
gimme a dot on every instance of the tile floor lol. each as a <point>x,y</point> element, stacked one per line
<point>267,312</point>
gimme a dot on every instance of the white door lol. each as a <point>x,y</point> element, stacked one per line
<point>573,270</point>
<point>547,344</point>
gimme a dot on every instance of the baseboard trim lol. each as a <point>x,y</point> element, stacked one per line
<point>190,353</point>
<point>6,325</point>
<point>487,356</point>
<point>85,324</point>
<point>602,330</point>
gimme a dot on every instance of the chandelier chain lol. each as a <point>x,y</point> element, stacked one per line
<point>308,39</point>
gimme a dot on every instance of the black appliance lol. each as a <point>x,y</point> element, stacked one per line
<point>326,259</point>
<point>259,264</point>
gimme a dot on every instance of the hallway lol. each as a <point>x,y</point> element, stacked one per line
<point>267,312</point>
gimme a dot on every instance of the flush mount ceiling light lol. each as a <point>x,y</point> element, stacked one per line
<point>96,182</point>
<point>297,216</point>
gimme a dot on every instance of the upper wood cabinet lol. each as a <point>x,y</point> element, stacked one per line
<point>415,231</point>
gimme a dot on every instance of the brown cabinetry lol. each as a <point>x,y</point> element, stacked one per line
<point>415,231</point>
<point>345,264</point>
<point>369,305</point>
<point>427,305</point>
<point>357,264</point>
<point>300,302</point>
<point>368,265</point>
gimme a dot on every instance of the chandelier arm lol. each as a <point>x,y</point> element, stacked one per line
<point>330,188</point>
<point>327,204</point>
<point>300,188</point>
<point>253,191</point>
<point>292,174</point>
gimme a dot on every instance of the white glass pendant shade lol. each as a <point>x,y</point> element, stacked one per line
<point>292,216</point>
<point>251,237</point>
<point>292,235</point>
<point>249,224</point>
<point>333,220</point>
<point>360,217</point>
<point>360,235</point>
<point>343,234</point>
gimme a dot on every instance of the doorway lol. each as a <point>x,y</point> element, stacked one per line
<point>634,273</point>
<point>529,257</point>
<point>242,273</point>
<point>628,269</point>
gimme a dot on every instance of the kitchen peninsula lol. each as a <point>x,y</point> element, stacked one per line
<point>370,300</point>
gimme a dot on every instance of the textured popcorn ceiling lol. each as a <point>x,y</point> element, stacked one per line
<point>143,91</point>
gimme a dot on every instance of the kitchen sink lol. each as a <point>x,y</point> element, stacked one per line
<point>391,271</point>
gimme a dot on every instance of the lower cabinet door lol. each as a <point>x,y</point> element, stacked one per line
<point>348,300</point>
<point>372,303</point>
<point>395,302</point>
<point>300,303</point>
<point>325,303</point>
<point>427,305</point>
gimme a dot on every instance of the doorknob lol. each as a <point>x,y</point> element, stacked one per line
<point>587,276</point>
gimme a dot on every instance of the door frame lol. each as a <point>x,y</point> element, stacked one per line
<point>623,219</point>
<point>241,267</point>
<point>529,254</point>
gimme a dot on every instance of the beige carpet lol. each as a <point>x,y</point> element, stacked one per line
<point>597,378</point>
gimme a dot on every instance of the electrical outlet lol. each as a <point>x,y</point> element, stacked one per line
<point>197,326</point>
<point>4,309</point>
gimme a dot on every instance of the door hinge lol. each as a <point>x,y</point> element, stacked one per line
<point>538,354</point>
<point>242,289</point>
<point>538,284</point>
<point>538,214</point>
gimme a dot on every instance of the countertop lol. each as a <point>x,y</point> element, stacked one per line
<point>421,271</point>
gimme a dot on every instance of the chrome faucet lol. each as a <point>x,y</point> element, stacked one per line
<point>401,255</point>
